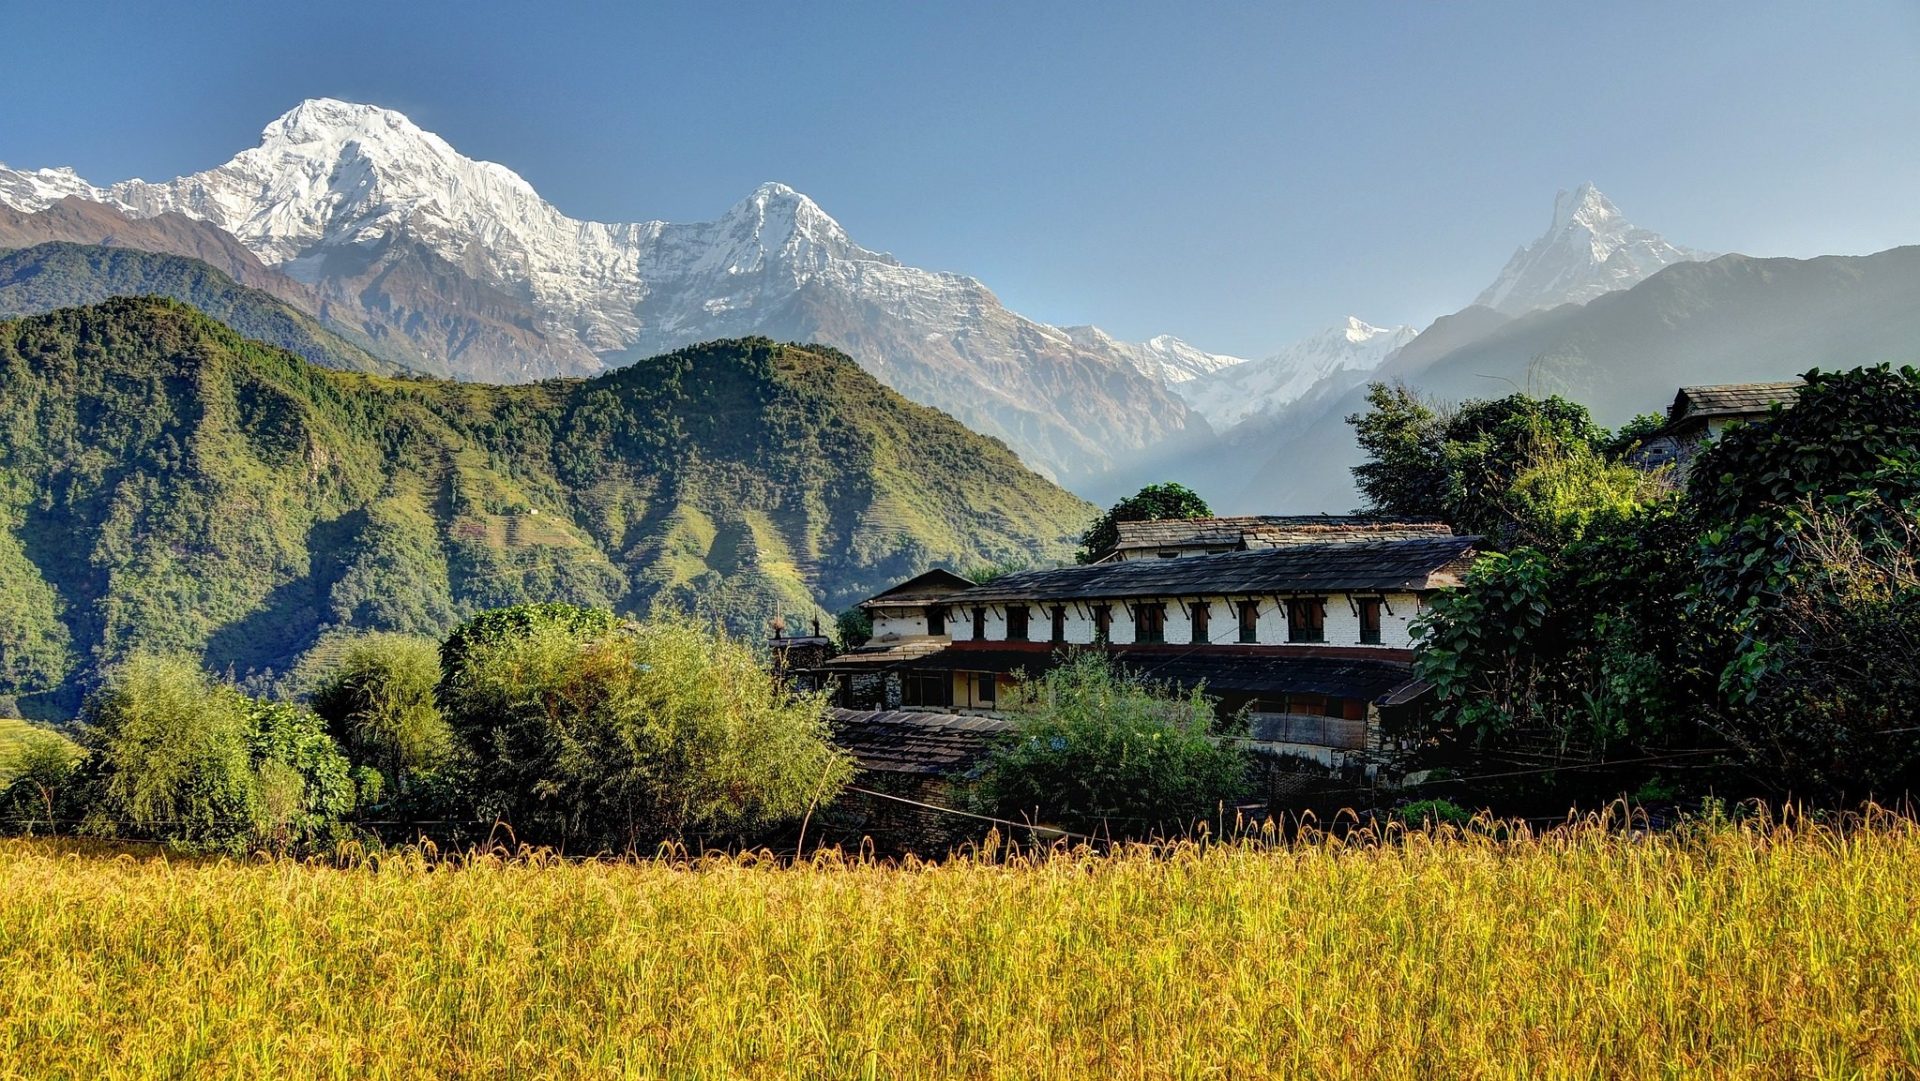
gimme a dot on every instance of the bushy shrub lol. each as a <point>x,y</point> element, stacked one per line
<point>180,757</point>
<point>1094,748</point>
<point>594,735</point>
<point>378,701</point>
<point>173,755</point>
<point>37,768</point>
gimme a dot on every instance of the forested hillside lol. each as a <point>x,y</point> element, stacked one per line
<point>166,484</point>
<point>55,275</point>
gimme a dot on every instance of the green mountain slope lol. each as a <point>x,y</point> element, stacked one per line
<point>55,275</point>
<point>168,484</point>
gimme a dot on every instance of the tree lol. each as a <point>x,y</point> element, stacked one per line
<point>1403,435</point>
<point>172,751</point>
<point>497,625</point>
<point>305,784</point>
<point>852,628</point>
<point>1810,528</point>
<point>1460,464</point>
<point>1095,748</point>
<point>35,780</point>
<point>1154,502</point>
<point>378,700</point>
<point>179,757</point>
<point>589,733</point>
<point>1566,490</point>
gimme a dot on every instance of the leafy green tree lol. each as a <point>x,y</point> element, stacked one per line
<point>36,780</point>
<point>173,754</point>
<point>1403,436</point>
<point>588,733</point>
<point>853,627</point>
<point>1460,464</point>
<point>1095,748</point>
<point>1810,519</point>
<point>378,700</point>
<point>1566,491</point>
<point>1634,434</point>
<point>1570,650</point>
<point>1155,501</point>
<point>180,757</point>
<point>305,784</point>
<point>498,625</point>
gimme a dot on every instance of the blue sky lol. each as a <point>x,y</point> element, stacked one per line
<point>1238,175</point>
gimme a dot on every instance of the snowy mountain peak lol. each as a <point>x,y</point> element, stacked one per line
<point>774,209</point>
<point>325,118</point>
<point>1590,249</point>
<point>1163,356</point>
<point>1585,206</point>
<point>1358,330</point>
<point>1231,395</point>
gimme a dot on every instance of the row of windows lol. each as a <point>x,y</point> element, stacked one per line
<point>1306,622</point>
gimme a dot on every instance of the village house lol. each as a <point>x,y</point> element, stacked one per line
<point>1699,414</point>
<point>1306,626</point>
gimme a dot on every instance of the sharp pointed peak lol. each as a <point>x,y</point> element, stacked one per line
<point>1585,205</point>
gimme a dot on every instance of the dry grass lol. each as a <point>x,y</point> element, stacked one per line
<point>1728,953</point>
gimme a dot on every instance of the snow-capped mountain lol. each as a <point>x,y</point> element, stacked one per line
<point>462,261</point>
<point>1230,395</point>
<point>1590,249</point>
<point>1163,356</point>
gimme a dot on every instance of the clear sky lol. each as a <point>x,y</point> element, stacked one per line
<point>1239,175</point>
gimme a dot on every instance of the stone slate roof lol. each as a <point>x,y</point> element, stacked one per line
<point>905,741</point>
<point>1351,566</point>
<point>1269,530</point>
<point>1731,399</point>
<point>932,585</point>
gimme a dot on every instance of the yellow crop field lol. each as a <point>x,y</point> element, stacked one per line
<point>1752,952</point>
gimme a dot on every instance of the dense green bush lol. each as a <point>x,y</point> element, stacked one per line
<point>1460,463</point>
<point>594,735</point>
<point>378,701</point>
<point>37,768</point>
<point>1095,748</point>
<point>173,757</point>
<point>1772,614</point>
<point>180,757</point>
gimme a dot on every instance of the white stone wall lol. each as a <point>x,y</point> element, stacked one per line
<point>891,625</point>
<point>1223,623</point>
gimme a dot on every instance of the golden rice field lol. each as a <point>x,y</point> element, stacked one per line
<point>1759,953</point>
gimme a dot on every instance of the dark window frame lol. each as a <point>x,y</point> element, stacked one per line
<point>1371,612</point>
<point>979,624</point>
<point>1057,633</point>
<point>1248,615</point>
<point>1306,619</point>
<point>1019,620</point>
<point>985,690</point>
<point>1200,613</point>
<point>915,685</point>
<point>936,620</point>
<point>1149,624</point>
<point>1102,624</point>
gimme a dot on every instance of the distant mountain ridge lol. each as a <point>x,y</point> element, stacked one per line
<point>401,237</point>
<point>55,275</point>
<point>1733,319</point>
<point>166,484</point>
